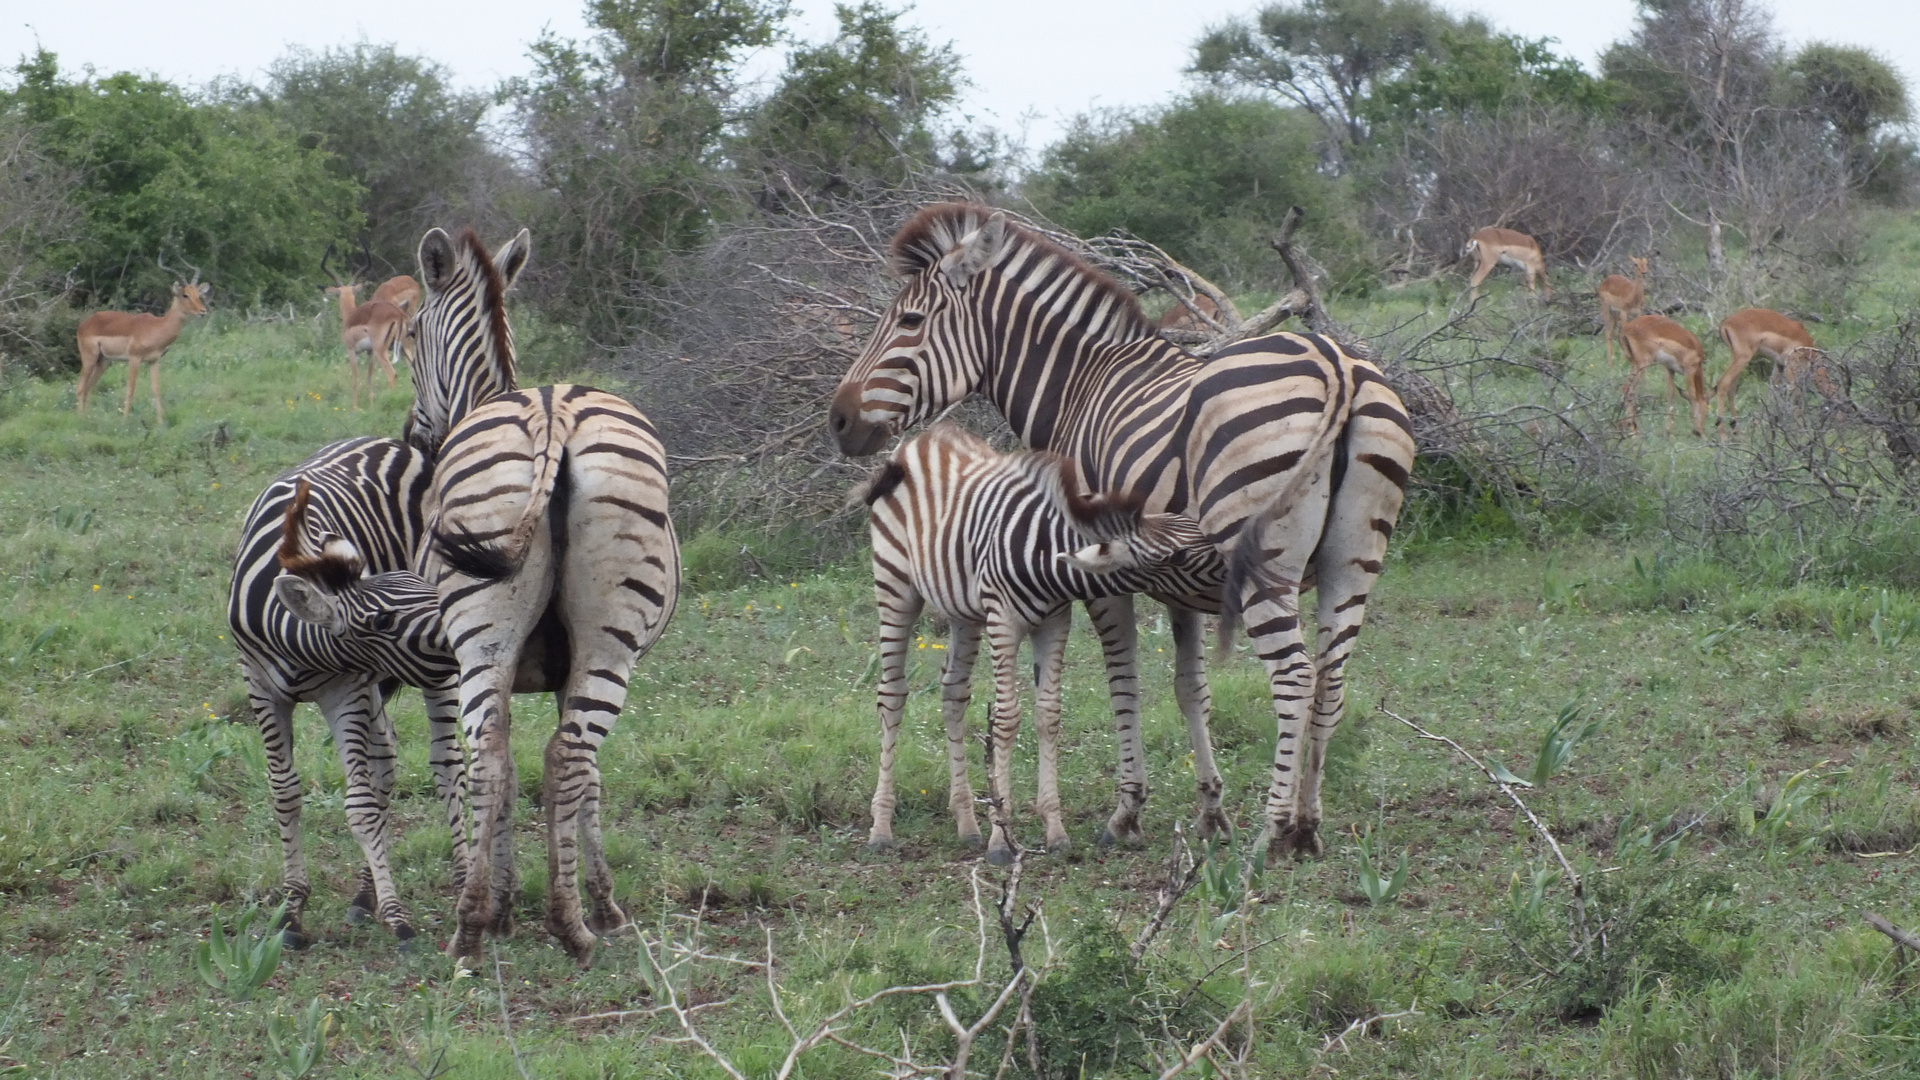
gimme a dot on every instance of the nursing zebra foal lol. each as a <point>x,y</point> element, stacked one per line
<point>1003,543</point>
<point>350,515</point>
<point>556,565</point>
<point>1073,365</point>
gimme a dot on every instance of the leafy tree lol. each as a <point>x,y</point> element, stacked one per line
<point>392,123</point>
<point>1854,90</point>
<point>1327,56</point>
<point>624,132</point>
<point>163,175</point>
<point>1484,74</point>
<point>854,110</point>
<point>1208,178</point>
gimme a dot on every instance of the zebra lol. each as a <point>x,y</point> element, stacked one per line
<point>1072,364</point>
<point>355,507</point>
<point>1003,543</point>
<point>556,565</point>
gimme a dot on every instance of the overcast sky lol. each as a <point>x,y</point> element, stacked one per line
<point>1033,63</point>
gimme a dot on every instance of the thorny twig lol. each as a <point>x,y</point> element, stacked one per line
<point>1362,1025</point>
<point>1177,885</point>
<point>506,1020</point>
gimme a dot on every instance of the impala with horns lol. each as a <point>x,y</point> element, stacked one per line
<point>1785,341</point>
<point>137,338</point>
<point>1491,247</point>
<point>404,293</point>
<point>373,328</point>
<point>1621,299</point>
<point>1657,339</point>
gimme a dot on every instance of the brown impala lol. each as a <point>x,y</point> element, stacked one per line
<point>1492,246</point>
<point>404,293</point>
<point>373,328</point>
<point>137,338</point>
<point>1786,343</point>
<point>1656,339</point>
<point>1621,298</point>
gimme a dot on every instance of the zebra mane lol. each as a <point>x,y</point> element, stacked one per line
<point>335,568</point>
<point>1101,515</point>
<point>935,230</point>
<point>494,290</point>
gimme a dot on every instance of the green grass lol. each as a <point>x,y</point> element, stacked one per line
<point>134,807</point>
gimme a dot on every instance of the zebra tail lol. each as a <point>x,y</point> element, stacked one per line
<point>1247,561</point>
<point>497,559</point>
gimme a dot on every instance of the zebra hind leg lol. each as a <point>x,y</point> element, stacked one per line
<point>1196,705</point>
<point>275,717</point>
<point>448,760</point>
<point>1003,638</point>
<point>1049,657</point>
<point>956,692</point>
<point>1113,620</point>
<point>355,713</point>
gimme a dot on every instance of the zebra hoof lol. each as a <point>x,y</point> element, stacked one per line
<point>1059,846</point>
<point>357,915</point>
<point>609,921</point>
<point>999,856</point>
<point>1214,823</point>
<point>880,845</point>
<point>972,841</point>
<point>1127,835</point>
<point>292,937</point>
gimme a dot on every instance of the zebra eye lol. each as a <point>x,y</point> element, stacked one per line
<point>911,320</point>
<point>384,622</point>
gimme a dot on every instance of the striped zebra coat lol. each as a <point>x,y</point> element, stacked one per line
<point>1069,360</point>
<point>1002,544</point>
<point>354,508</point>
<point>557,568</point>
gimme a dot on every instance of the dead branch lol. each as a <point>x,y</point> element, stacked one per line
<point>1362,1025</point>
<point>1899,937</point>
<point>1179,882</point>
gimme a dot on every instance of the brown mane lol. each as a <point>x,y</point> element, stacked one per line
<point>935,229</point>
<point>495,292</point>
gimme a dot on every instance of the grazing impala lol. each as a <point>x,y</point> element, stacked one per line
<point>1657,339</point>
<point>404,293</point>
<point>1621,298</point>
<point>372,328</point>
<point>137,338</point>
<point>1491,247</point>
<point>1786,343</point>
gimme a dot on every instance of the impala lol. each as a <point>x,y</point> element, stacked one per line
<point>1786,343</point>
<point>373,328</point>
<point>1621,298</point>
<point>1657,339</point>
<point>404,293</point>
<point>137,338</point>
<point>1493,246</point>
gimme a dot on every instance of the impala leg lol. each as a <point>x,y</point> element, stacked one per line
<point>1003,638</point>
<point>362,733</point>
<point>1631,392</point>
<point>1049,657</point>
<point>897,616</point>
<point>956,691</point>
<point>1196,705</point>
<point>1725,389</point>
<point>153,376</point>
<point>386,361</point>
<point>274,714</point>
<point>133,381</point>
<point>1666,400</point>
<point>1119,643</point>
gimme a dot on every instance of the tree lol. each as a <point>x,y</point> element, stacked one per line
<point>1484,74</point>
<point>854,110</point>
<point>1326,56</point>
<point>624,135</point>
<point>164,175</point>
<point>1856,96</point>
<point>1208,179</point>
<point>392,123</point>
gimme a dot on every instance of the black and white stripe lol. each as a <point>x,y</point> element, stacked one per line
<point>1291,453</point>
<point>1002,544</point>
<point>364,512</point>
<point>557,568</point>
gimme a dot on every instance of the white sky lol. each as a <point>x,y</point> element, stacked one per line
<point>1043,59</point>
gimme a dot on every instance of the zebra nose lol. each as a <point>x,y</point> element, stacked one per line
<point>839,422</point>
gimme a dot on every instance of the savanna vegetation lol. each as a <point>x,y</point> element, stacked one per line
<point>1691,663</point>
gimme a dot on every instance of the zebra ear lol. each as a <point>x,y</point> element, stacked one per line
<point>512,257</point>
<point>976,251</point>
<point>436,259</point>
<point>308,602</point>
<point>1102,558</point>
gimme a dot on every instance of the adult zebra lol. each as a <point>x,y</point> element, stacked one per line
<point>1068,358</point>
<point>1003,544</point>
<point>556,565</point>
<point>354,508</point>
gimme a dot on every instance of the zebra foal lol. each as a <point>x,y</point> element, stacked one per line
<point>556,565</point>
<point>1002,544</point>
<point>1292,454</point>
<point>349,516</point>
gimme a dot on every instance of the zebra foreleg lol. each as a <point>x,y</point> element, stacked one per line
<point>275,717</point>
<point>1112,619</point>
<point>485,901</point>
<point>595,693</point>
<point>897,616</point>
<point>1049,657</point>
<point>1274,623</point>
<point>956,691</point>
<point>354,712</point>
<point>448,760</point>
<point>1196,705</point>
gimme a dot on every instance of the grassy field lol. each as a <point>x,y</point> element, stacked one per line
<point>1750,788</point>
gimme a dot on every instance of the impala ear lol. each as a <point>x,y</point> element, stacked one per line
<point>976,251</point>
<point>436,259</point>
<point>512,258</point>
<point>308,602</point>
